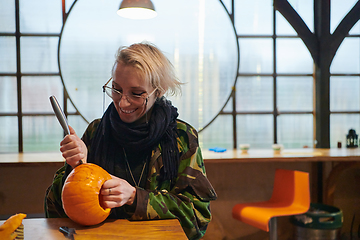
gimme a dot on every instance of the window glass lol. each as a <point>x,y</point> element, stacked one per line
<point>8,54</point>
<point>36,92</point>
<point>8,95</point>
<point>69,3</point>
<point>305,9</point>
<point>338,10</point>
<point>295,130</point>
<point>229,106</point>
<point>295,93</point>
<point>78,124</point>
<point>7,15</point>
<point>254,94</point>
<point>227,4</point>
<point>293,57</point>
<point>344,93</point>
<point>355,29</point>
<point>256,55</point>
<point>255,129</point>
<point>340,124</point>
<point>40,16</point>
<point>71,108</point>
<point>206,62</point>
<point>9,134</point>
<point>218,133</point>
<point>254,17</point>
<point>42,134</point>
<point>39,54</point>
<point>283,27</point>
<point>347,57</point>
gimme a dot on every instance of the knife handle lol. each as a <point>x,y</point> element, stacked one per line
<point>60,114</point>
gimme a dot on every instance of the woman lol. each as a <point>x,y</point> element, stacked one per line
<point>154,159</point>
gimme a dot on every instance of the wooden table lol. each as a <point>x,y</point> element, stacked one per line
<point>48,229</point>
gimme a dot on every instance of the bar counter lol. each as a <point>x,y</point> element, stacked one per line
<point>287,155</point>
<point>31,158</point>
<point>253,155</point>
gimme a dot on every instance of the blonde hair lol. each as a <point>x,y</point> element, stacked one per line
<point>152,64</point>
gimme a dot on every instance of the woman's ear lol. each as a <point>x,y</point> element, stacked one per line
<point>159,93</point>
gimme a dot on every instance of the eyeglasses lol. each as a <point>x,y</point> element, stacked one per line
<point>136,99</point>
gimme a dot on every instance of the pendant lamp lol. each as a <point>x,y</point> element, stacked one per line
<point>137,9</point>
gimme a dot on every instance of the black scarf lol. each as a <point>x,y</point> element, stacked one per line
<point>113,134</point>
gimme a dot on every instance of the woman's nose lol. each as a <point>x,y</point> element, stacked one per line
<point>123,101</point>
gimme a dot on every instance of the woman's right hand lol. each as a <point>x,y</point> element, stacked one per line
<point>73,149</point>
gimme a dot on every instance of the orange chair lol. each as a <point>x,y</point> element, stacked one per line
<point>290,196</point>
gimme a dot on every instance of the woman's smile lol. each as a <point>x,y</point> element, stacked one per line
<point>135,100</point>
<point>128,111</point>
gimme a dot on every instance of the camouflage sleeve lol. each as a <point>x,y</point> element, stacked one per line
<point>188,200</point>
<point>53,204</point>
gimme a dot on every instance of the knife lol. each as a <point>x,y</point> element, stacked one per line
<point>68,232</point>
<point>59,114</point>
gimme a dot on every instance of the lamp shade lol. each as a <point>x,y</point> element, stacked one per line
<point>137,9</point>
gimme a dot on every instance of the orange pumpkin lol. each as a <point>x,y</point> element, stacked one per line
<point>81,194</point>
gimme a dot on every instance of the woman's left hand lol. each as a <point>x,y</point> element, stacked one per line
<point>116,192</point>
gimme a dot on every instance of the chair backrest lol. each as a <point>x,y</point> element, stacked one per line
<point>291,187</point>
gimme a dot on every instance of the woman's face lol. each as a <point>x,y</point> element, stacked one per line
<point>133,104</point>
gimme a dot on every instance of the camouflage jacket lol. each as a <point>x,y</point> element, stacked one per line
<point>188,200</point>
